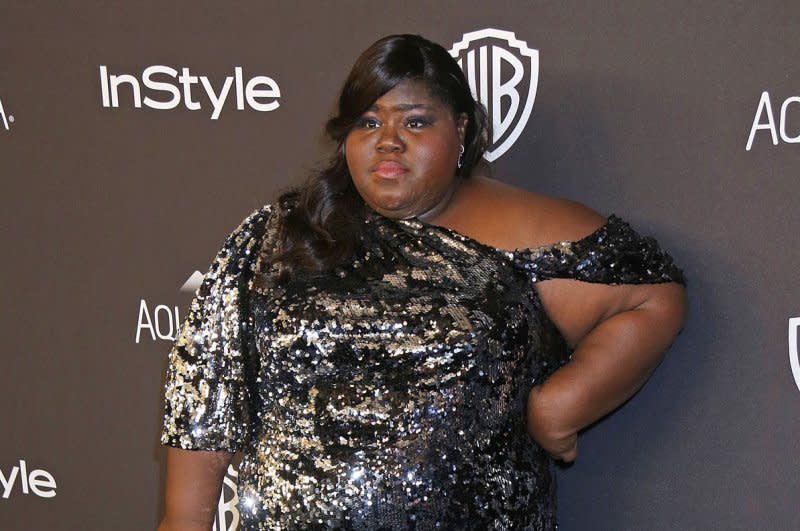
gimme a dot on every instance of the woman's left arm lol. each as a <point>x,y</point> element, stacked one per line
<point>620,334</point>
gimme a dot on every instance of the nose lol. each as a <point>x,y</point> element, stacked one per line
<point>389,140</point>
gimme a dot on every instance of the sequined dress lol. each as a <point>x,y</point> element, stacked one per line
<point>389,394</point>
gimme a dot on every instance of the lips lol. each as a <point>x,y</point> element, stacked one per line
<point>389,169</point>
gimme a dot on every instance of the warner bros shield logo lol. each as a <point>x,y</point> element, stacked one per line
<point>794,357</point>
<point>503,74</point>
<point>227,517</point>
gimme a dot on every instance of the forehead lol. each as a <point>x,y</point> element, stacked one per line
<point>409,94</point>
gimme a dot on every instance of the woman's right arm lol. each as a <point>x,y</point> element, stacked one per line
<point>207,400</point>
<point>193,485</point>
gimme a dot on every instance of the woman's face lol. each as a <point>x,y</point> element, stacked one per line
<point>402,153</point>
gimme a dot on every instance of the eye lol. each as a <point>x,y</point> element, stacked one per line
<point>417,123</point>
<point>368,122</point>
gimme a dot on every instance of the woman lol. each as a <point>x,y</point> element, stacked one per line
<point>400,345</point>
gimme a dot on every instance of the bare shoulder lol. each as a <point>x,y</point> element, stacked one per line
<point>529,219</point>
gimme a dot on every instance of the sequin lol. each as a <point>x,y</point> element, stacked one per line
<point>389,394</point>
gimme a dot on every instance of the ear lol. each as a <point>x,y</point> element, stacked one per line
<point>461,126</point>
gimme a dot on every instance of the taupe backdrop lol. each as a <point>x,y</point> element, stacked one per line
<point>643,109</point>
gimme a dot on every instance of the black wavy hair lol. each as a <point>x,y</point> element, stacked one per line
<point>321,220</point>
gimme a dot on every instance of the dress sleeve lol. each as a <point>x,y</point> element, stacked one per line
<point>613,254</point>
<point>207,395</point>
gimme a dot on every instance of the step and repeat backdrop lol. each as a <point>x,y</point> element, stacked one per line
<point>135,135</point>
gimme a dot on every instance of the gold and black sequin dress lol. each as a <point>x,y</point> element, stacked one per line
<point>389,394</point>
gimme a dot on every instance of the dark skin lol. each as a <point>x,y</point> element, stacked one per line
<point>619,333</point>
<point>403,160</point>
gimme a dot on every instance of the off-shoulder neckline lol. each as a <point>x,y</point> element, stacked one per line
<point>419,224</point>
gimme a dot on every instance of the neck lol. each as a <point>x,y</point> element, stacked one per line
<point>429,215</point>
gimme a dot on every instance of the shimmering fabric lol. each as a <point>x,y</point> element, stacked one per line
<point>389,394</point>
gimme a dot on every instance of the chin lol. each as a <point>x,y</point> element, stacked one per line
<point>390,206</point>
<point>389,212</point>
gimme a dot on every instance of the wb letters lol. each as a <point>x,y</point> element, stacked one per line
<point>503,75</point>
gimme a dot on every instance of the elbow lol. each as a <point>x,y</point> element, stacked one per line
<point>677,307</point>
<point>546,423</point>
<point>669,307</point>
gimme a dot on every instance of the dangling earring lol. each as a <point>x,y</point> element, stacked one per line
<point>460,162</point>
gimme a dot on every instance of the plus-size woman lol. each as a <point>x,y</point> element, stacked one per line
<point>403,344</point>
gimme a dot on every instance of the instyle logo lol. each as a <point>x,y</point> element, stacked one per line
<point>794,358</point>
<point>5,119</point>
<point>227,518</point>
<point>503,74</point>
<point>163,322</point>
<point>764,120</point>
<point>37,482</point>
<point>166,89</point>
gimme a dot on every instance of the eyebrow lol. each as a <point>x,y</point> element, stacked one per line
<point>402,107</point>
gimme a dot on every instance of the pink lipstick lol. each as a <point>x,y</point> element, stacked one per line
<point>389,169</point>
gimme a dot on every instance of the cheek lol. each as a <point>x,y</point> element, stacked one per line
<point>438,156</point>
<point>355,155</point>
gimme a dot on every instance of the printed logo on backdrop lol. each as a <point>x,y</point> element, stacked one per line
<point>227,518</point>
<point>764,120</point>
<point>5,119</point>
<point>17,480</point>
<point>503,74</point>
<point>794,357</point>
<point>162,321</point>
<point>165,89</point>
